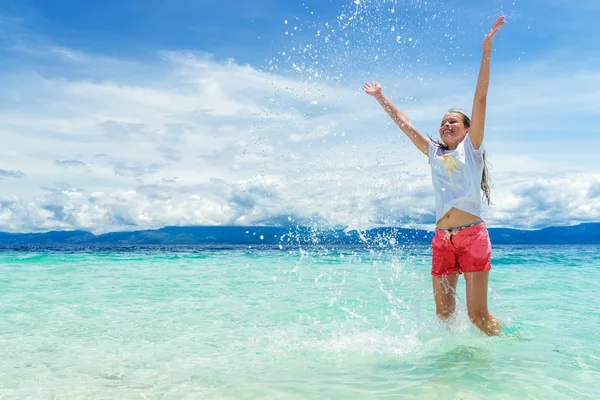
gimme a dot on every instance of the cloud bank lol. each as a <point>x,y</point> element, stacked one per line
<point>103,144</point>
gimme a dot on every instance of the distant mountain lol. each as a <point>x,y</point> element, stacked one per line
<point>52,237</point>
<point>235,235</point>
<point>579,234</point>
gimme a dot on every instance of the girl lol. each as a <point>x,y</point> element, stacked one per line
<point>461,243</point>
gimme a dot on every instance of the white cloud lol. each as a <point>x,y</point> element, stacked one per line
<point>191,140</point>
<point>540,200</point>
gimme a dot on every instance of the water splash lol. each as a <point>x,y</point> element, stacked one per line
<point>373,36</point>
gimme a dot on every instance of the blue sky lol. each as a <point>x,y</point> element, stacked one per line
<point>140,114</point>
<point>239,29</point>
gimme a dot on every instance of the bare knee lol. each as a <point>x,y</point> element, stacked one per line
<point>479,315</point>
<point>485,321</point>
<point>444,313</point>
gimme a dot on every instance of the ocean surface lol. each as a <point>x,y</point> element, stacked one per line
<point>258,323</point>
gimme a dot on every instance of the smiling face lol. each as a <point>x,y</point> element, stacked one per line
<point>453,129</point>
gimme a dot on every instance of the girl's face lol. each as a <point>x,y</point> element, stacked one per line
<point>452,130</point>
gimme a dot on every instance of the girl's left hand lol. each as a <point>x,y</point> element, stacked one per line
<point>489,38</point>
<point>373,89</point>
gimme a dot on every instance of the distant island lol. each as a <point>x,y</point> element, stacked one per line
<point>587,233</point>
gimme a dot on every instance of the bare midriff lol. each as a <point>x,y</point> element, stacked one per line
<point>455,217</point>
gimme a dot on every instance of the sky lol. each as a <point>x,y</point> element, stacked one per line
<point>130,115</point>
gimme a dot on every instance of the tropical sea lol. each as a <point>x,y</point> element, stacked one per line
<point>194,322</point>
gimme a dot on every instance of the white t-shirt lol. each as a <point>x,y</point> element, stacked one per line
<point>456,176</point>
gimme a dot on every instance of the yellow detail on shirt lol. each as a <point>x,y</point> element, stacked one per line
<point>451,166</point>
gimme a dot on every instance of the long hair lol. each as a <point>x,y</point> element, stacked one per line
<point>485,187</point>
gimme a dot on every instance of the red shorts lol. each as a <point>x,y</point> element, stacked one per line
<point>466,250</point>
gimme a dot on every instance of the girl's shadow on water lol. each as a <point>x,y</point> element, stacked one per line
<point>443,375</point>
<point>461,362</point>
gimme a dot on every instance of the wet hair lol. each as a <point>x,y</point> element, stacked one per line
<point>485,187</point>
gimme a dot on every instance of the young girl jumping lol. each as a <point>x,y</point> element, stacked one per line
<point>461,243</point>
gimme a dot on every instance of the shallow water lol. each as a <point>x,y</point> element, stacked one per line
<point>193,323</point>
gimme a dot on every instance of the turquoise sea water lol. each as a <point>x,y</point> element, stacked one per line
<point>243,323</point>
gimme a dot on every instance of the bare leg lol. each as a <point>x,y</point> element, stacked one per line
<point>444,291</point>
<point>477,291</point>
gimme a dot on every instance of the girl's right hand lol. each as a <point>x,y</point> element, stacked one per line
<point>489,38</point>
<point>372,89</point>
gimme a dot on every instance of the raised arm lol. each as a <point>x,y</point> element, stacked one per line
<point>419,140</point>
<point>480,98</point>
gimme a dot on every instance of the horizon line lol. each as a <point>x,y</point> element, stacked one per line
<point>291,227</point>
